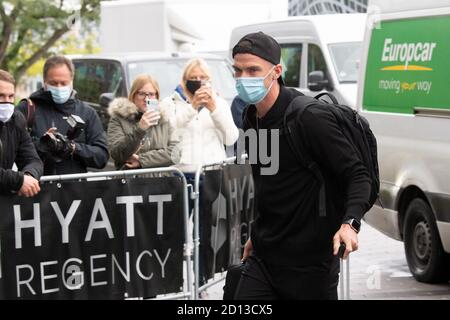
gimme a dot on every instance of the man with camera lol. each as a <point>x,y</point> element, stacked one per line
<point>67,132</point>
<point>16,146</point>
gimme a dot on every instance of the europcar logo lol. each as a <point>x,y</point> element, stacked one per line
<point>408,55</point>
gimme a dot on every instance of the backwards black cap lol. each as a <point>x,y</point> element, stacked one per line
<point>261,45</point>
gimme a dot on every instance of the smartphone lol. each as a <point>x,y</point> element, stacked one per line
<point>205,83</point>
<point>152,104</point>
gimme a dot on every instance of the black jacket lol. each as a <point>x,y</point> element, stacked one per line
<point>91,147</point>
<point>289,230</point>
<point>16,147</point>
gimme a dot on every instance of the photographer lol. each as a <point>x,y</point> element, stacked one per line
<point>67,132</point>
<point>16,146</point>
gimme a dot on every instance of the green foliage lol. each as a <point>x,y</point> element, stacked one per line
<point>32,30</point>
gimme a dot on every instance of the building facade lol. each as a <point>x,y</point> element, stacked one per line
<point>312,7</point>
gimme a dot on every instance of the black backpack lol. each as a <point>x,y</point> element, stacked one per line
<point>354,127</point>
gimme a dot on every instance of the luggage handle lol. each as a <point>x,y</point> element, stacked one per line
<point>344,279</point>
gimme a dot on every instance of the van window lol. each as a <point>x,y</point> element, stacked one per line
<point>94,77</point>
<point>291,57</point>
<point>345,58</point>
<point>316,61</point>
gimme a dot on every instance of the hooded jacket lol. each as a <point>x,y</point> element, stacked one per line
<point>90,147</point>
<point>125,136</point>
<point>16,147</point>
<point>202,134</point>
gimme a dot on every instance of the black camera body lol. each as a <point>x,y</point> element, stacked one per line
<point>58,145</point>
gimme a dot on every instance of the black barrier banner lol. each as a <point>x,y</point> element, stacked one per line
<point>228,205</point>
<point>107,239</point>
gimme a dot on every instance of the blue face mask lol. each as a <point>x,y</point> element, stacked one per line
<point>252,89</point>
<point>60,95</point>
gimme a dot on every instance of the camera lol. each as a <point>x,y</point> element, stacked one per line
<point>59,145</point>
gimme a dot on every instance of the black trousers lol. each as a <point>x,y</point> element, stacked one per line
<point>261,281</point>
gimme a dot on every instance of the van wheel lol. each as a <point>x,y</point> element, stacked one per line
<point>426,258</point>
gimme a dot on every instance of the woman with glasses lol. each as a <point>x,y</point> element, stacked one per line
<point>202,119</point>
<point>139,135</point>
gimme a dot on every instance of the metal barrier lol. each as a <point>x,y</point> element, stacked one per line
<point>188,291</point>
<point>196,234</point>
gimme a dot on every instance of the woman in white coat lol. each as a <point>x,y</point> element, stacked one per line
<point>203,124</point>
<point>202,119</point>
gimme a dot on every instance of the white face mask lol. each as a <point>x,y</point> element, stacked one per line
<point>6,111</point>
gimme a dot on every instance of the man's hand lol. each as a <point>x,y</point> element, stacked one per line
<point>133,162</point>
<point>349,237</point>
<point>51,130</point>
<point>30,187</point>
<point>248,248</point>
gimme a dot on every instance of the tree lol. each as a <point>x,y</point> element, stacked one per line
<point>29,29</point>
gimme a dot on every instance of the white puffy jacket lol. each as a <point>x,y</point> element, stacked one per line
<point>202,134</point>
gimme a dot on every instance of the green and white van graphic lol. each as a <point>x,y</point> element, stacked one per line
<point>408,66</point>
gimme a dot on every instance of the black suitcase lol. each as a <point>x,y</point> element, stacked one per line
<point>232,280</point>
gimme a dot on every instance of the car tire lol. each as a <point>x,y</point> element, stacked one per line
<point>426,258</point>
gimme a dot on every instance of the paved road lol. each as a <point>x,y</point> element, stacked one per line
<point>379,271</point>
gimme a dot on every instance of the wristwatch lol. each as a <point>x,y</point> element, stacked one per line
<point>354,224</point>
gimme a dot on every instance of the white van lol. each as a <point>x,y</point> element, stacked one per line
<point>318,52</point>
<point>404,92</point>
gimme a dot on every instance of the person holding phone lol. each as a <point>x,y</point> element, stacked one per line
<point>203,125</point>
<point>139,135</point>
<point>202,119</point>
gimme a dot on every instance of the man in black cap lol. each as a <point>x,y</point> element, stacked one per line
<point>292,251</point>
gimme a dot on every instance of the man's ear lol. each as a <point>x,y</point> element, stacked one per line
<point>278,71</point>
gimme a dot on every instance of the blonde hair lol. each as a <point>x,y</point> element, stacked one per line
<point>140,81</point>
<point>191,65</point>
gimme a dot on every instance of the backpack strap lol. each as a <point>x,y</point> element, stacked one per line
<point>297,142</point>
<point>327,94</point>
<point>31,109</point>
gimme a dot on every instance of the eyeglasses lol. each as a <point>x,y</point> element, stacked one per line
<point>201,78</point>
<point>142,94</point>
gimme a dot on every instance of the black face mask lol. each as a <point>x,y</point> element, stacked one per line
<point>193,85</point>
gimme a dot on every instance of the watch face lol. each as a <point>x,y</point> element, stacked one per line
<point>355,224</point>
